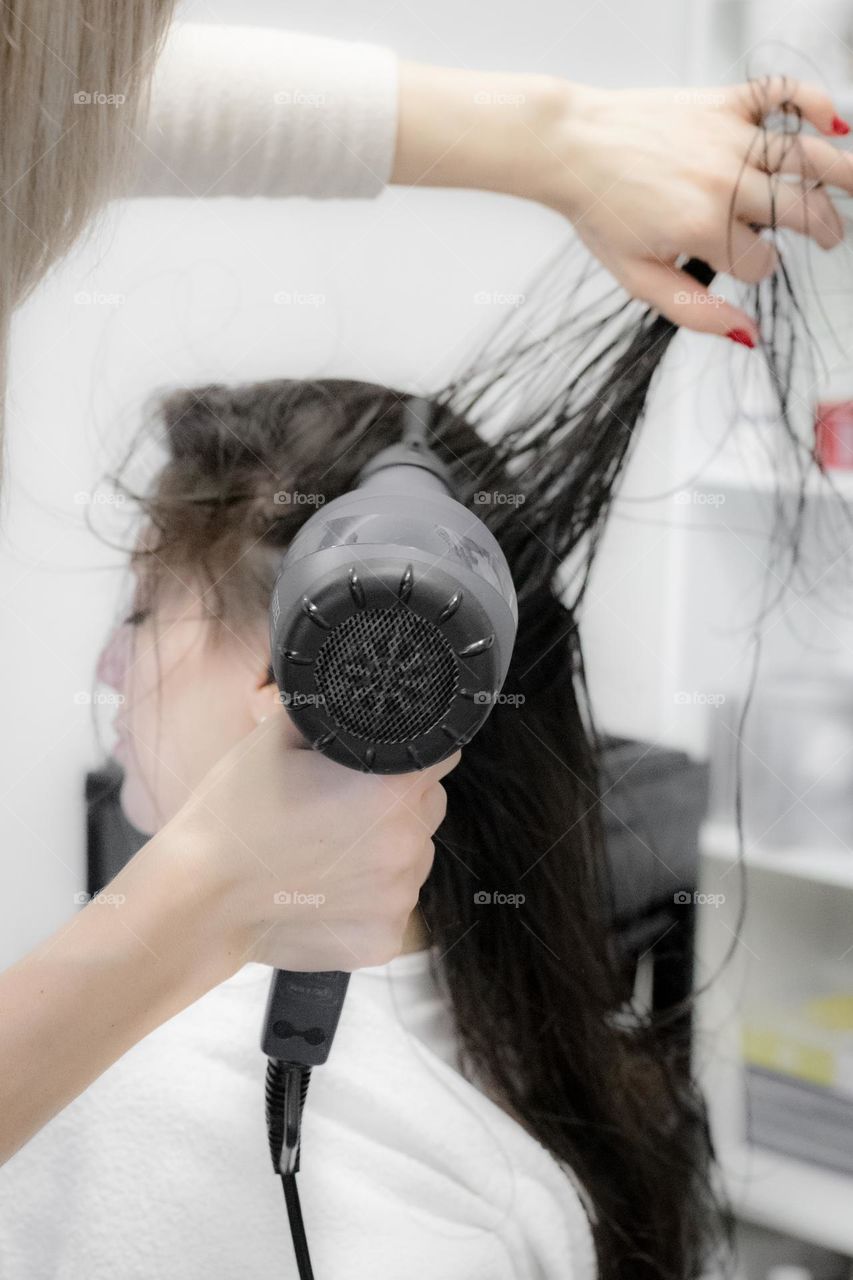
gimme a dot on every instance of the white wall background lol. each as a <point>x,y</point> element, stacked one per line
<point>192,288</point>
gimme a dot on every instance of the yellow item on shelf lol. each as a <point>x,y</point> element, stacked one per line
<point>812,1041</point>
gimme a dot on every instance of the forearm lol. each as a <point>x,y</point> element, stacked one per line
<point>482,129</point>
<point>130,960</point>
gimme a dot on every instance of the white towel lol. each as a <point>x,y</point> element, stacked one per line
<point>162,1167</point>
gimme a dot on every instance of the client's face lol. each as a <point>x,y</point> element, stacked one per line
<point>189,694</point>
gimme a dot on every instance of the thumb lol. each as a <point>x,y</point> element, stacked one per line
<point>686,302</point>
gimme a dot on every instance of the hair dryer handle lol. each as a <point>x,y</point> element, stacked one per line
<point>302,1015</point>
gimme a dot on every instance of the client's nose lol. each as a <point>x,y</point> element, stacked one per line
<point>112,663</point>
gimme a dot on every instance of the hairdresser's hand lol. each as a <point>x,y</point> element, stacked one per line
<point>649,175</point>
<point>645,175</point>
<point>312,866</point>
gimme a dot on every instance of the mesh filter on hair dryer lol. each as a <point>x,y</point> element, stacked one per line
<point>393,618</point>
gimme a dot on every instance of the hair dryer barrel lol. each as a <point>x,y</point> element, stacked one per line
<point>393,620</point>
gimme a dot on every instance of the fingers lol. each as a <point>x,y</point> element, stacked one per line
<point>758,98</point>
<point>807,157</point>
<point>685,302</point>
<point>768,200</point>
<point>443,767</point>
<point>434,806</point>
<point>741,253</point>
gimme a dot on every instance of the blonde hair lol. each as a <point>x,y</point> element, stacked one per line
<point>74,91</point>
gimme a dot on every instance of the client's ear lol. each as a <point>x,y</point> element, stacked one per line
<point>265,702</point>
<point>264,699</point>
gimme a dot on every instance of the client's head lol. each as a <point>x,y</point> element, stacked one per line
<point>245,468</point>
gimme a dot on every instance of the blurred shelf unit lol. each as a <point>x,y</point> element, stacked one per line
<point>815,36</point>
<point>798,929</point>
<point>790,1196</point>
<point>719,841</point>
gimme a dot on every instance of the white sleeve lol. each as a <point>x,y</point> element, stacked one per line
<point>258,111</point>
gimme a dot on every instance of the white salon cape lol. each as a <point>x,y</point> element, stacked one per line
<point>407,1171</point>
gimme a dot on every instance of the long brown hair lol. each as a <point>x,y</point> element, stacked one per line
<point>74,90</point>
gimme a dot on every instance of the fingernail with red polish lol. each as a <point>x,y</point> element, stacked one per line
<point>741,336</point>
<point>839,126</point>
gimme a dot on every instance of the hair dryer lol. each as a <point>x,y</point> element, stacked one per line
<point>392,625</point>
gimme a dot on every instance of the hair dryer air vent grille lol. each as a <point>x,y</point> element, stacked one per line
<point>386,675</point>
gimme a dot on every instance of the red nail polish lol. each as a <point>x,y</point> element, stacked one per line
<point>741,336</point>
<point>839,126</point>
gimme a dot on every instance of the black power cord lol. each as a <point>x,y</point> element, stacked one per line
<point>286,1087</point>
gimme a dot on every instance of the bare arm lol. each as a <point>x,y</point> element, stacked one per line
<point>134,956</point>
<point>645,176</point>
